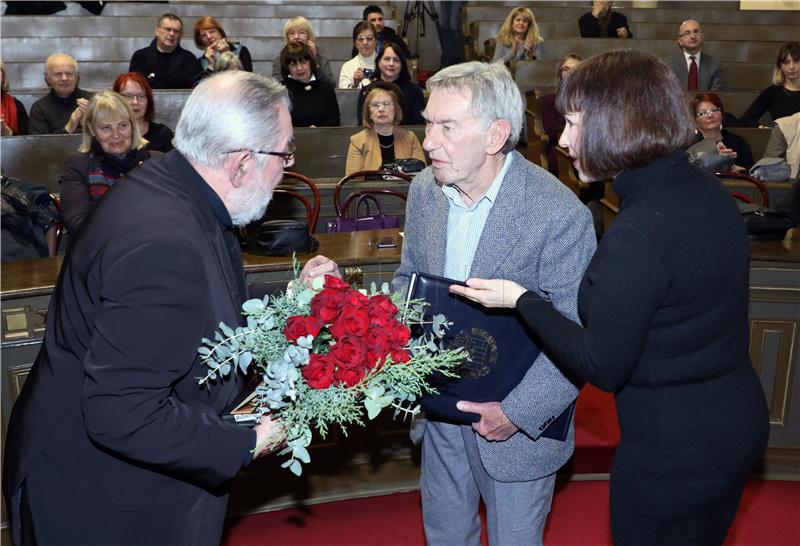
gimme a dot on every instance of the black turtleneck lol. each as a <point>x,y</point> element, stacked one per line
<point>50,114</point>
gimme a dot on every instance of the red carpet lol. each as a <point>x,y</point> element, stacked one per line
<point>769,515</point>
<point>596,432</point>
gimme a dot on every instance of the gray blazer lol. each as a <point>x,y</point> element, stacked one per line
<point>539,235</point>
<point>709,71</point>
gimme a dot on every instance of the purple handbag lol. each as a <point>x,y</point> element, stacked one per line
<point>376,220</point>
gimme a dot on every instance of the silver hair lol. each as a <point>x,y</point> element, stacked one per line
<point>494,94</point>
<point>232,110</point>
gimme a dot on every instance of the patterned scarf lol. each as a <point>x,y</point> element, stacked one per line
<point>105,169</point>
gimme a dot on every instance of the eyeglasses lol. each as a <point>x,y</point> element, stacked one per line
<point>365,39</point>
<point>687,33</point>
<point>378,105</point>
<point>169,30</point>
<point>287,156</point>
<point>130,97</point>
<point>706,113</point>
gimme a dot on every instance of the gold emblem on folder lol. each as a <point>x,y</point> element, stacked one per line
<point>482,349</point>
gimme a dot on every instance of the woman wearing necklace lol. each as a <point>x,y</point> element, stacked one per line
<point>314,101</point>
<point>383,141</point>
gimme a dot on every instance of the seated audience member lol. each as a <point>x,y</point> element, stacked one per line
<point>112,145</point>
<point>518,37</point>
<point>297,30</point>
<point>134,89</point>
<point>14,118</point>
<point>602,22</point>
<point>392,67</point>
<point>552,120</point>
<point>228,61</point>
<point>29,220</point>
<point>383,141</point>
<point>62,109</point>
<point>707,110</point>
<point>164,63</point>
<point>314,101</point>
<point>784,142</point>
<point>210,37</point>
<point>357,72</point>
<point>374,14</point>
<point>782,98</point>
<point>696,71</point>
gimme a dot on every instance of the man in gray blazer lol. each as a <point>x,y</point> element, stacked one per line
<point>482,209</point>
<point>709,71</point>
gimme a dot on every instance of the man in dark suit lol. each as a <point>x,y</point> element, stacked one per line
<point>164,63</point>
<point>602,22</point>
<point>374,14</point>
<point>696,71</point>
<point>112,440</point>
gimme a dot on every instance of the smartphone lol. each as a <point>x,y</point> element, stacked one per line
<point>386,242</point>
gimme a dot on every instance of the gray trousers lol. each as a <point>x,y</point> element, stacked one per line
<point>452,483</point>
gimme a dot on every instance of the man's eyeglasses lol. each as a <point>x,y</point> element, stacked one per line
<point>130,97</point>
<point>706,113</point>
<point>687,33</point>
<point>287,156</point>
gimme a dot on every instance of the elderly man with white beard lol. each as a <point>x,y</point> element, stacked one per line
<point>112,440</point>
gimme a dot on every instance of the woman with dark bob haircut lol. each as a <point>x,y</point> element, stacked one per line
<point>314,102</point>
<point>663,307</point>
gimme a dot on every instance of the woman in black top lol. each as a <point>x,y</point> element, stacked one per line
<point>314,102</point>
<point>783,97</point>
<point>134,88</point>
<point>663,306</point>
<point>708,112</point>
<point>391,66</point>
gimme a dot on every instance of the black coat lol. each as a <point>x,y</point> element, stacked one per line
<point>176,70</point>
<point>113,436</point>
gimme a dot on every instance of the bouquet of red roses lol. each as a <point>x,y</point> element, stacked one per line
<point>326,354</point>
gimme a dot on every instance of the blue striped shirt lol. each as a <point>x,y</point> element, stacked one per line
<point>465,226</point>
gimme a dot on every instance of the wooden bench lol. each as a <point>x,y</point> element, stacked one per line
<point>169,104</point>
<point>321,154</point>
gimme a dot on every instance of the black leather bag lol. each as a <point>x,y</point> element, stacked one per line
<point>764,224</point>
<point>279,238</point>
<point>408,165</point>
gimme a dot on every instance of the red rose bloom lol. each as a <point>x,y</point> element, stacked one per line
<point>352,322</point>
<point>300,326</point>
<point>349,376</point>
<point>381,305</point>
<point>355,299</point>
<point>401,356</point>
<point>335,283</point>
<point>375,358</point>
<point>377,338</point>
<point>399,333</point>
<point>318,373</point>
<point>327,305</point>
<point>349,352</point>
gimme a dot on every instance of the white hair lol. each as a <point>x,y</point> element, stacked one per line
<point>232,110</point>
<point>494,94</point>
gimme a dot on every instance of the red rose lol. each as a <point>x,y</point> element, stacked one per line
<point>401,356</point>
<point>355,299</point>
<point>352,322</point>
<point>299,326</point>
<point>399,333</point>
<point>335,283</point>
<point>381,305</point>
<point>349,376</point>
<point>377,338</point>
<point>349,352</point>
<point>376,358</point>
<point>327,305</point>
<point>318,373</point>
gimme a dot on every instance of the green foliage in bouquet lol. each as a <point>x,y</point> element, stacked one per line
<point>328,353</point>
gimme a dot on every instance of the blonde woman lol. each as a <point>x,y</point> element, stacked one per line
<point>383,141</point>
<point>297,30</point>
<point>112,145</point>
<point>518,38</point>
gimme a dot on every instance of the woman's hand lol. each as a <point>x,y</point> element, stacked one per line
<point>358,75</point>
<point>490,293</point>
<point>318,266</point>
<point>312,45</point>
<point>211,56</point>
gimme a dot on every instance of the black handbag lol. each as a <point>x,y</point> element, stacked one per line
<point>408,165</point>
<point>764,224</point>
<point>279,238</point>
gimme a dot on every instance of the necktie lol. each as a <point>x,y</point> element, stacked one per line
<point>692,74</point>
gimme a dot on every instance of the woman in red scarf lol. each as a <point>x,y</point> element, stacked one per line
<point>14,118</point>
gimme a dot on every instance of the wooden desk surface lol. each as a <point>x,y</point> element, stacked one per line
<point>38,277</point>
<point>787,250</point>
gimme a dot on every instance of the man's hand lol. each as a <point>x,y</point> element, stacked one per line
<point>76,117</point>
<point>269,436</point>
<point>622,32</point>
<point>494,425</point>
<point>318,266</point>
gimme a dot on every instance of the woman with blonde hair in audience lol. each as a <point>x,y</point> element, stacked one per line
<point>298,30</point>
<point>210,37</point>
<point>391,66</point>
<point>552,120</point>
<point>708,111</point>
<point>383,141</point>
<point>663,308</point>
<point>133,87</point>
<point>14,118</point>
<point>112,145</point>
<point>518,37</point>
<point>314,102</point>
<point>358,71</point>
<point>782,98</point>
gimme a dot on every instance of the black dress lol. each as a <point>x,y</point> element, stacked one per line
<point>664,302</point>
<point>775,99</point>
<point>159,137</point>
<point>313,103</point>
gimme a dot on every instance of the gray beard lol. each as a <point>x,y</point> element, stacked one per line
<point>246,205</point>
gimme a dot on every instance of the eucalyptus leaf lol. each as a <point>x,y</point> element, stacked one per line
<point>226,329</point>
<point>204,351</point>
<point>295,467</point>
<point>373,408</point>
<point>244,361</point>
<point>300,452</point>
<point>252,307</point>
<point>317,283</point>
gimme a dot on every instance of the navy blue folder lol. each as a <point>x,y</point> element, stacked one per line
<point>501,350</point>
